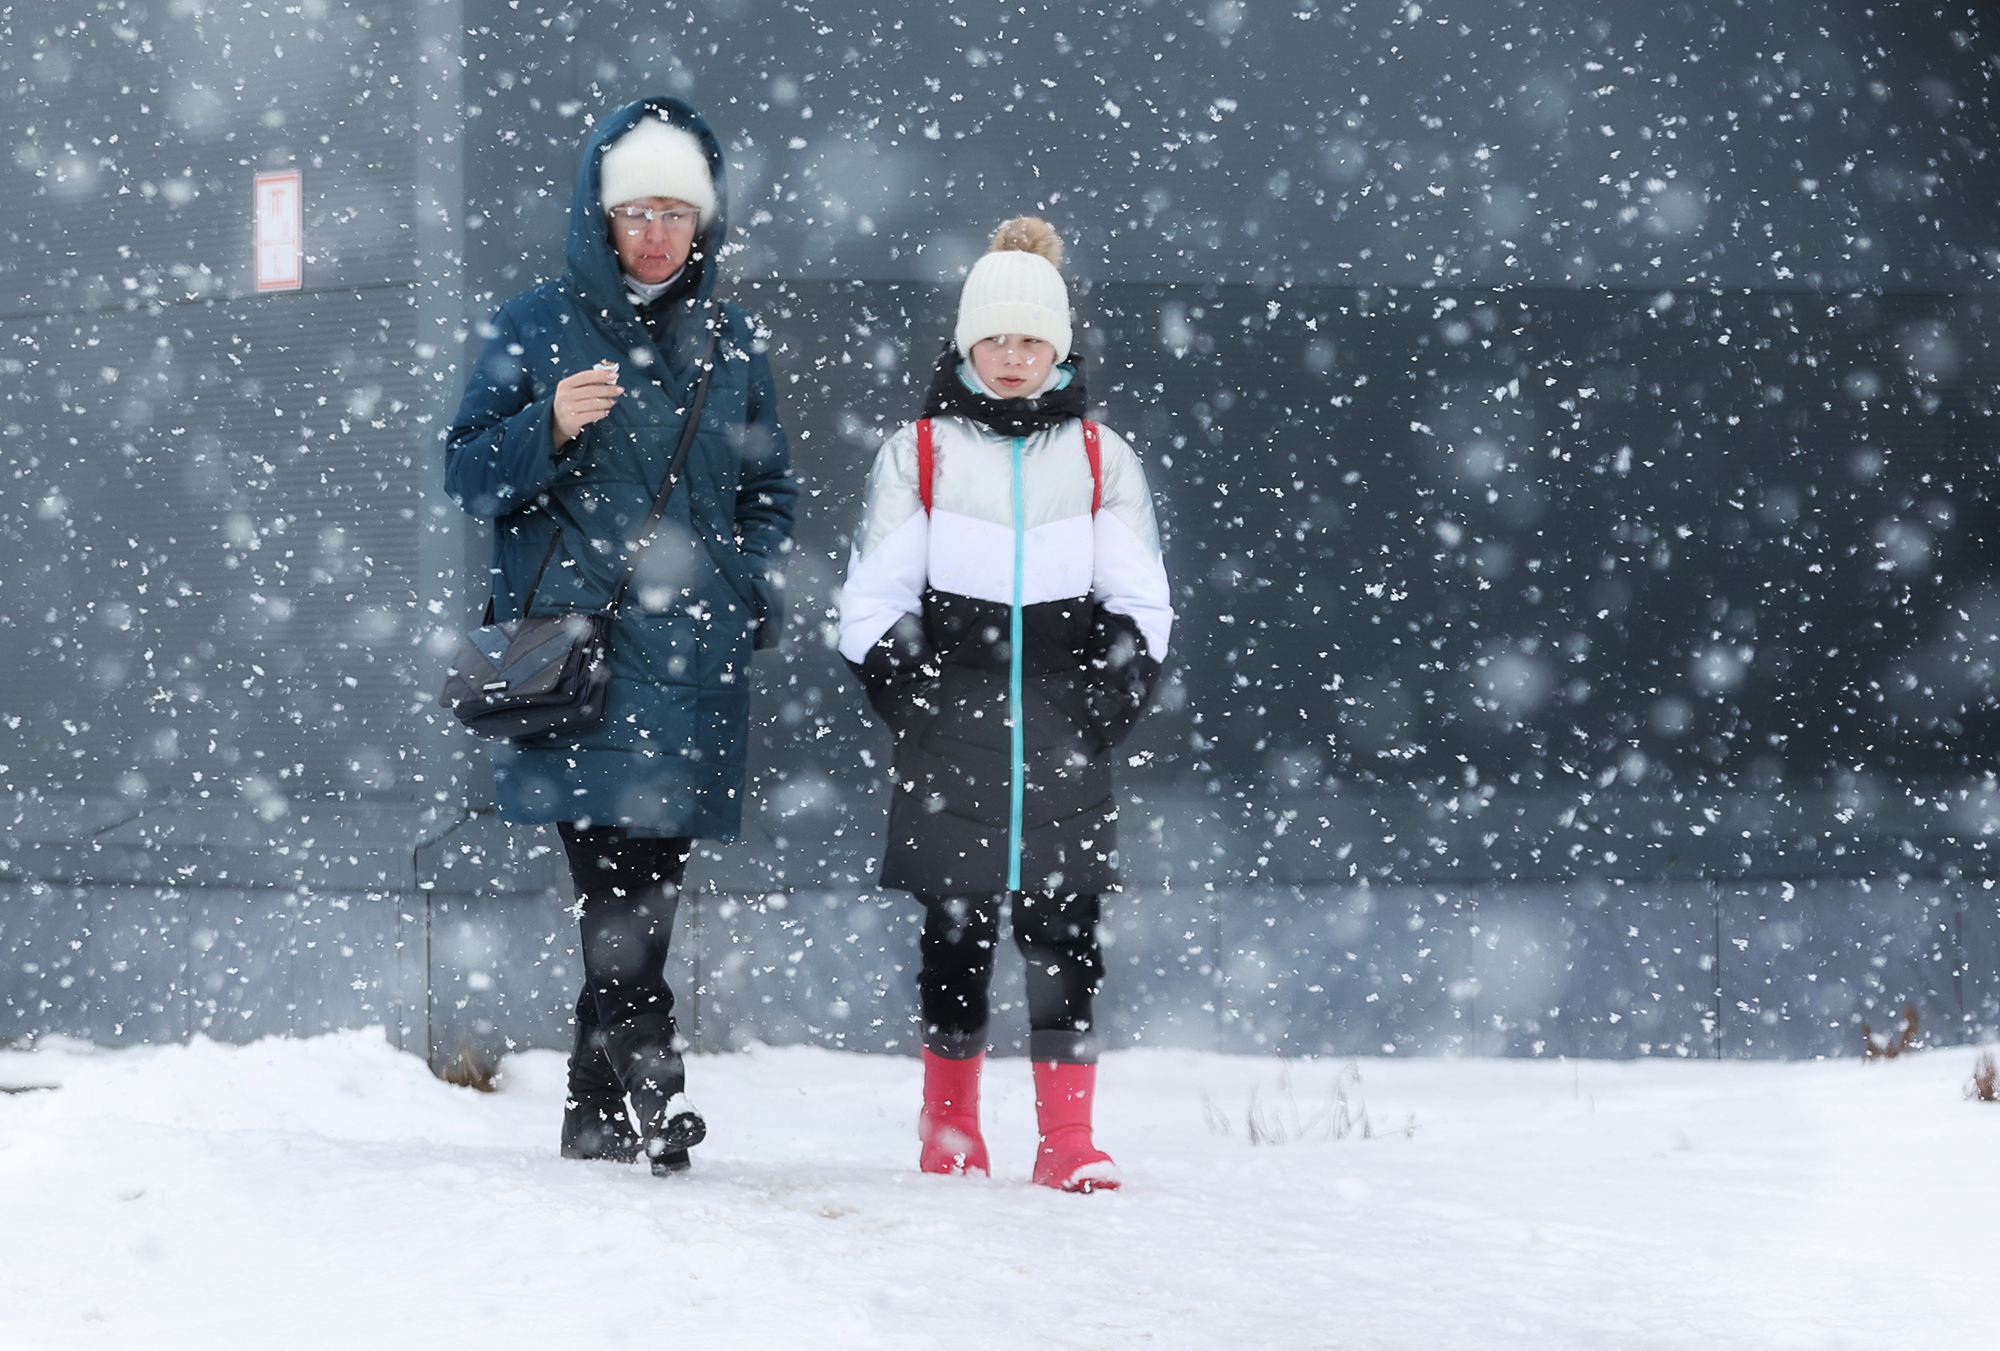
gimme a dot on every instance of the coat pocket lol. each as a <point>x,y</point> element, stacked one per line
<point>972,710</point>
<point>662,650</point>
<point>906,707</point>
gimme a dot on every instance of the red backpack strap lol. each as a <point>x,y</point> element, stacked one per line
<point>1096,454</point>
<point>926,461</point>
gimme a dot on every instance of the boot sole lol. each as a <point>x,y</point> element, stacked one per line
<point>668,1151</point>
<point>1098,1175</point>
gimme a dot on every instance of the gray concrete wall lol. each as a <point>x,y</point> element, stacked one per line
<point>1582,543</point>
<point>461,941</point>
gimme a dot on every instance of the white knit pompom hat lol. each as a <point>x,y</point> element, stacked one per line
<point>657,159</point>
<point>1016,288</point>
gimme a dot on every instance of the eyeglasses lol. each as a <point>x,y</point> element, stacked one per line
<point>633,220</point>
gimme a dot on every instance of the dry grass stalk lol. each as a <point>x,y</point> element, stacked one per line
<point>1212,1116</point>
<point>469,1069</point>
<point>1280,1121</point>
<point>1260,1129</point>
<point>1889,1049</point>
<point>1985,1085</point>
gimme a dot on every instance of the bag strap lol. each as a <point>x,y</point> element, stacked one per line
<point>1096,454</point>
<point>689,427</point>
<point>926,461</point>
<point>688,430</point>
<point>547,555</point>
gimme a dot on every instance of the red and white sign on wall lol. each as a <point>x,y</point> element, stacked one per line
<point>280,241</point>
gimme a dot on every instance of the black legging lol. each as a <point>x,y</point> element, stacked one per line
<point>627,888</point>
<point>1057,936</point>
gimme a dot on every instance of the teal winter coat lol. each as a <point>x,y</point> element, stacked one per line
<point>668,757</point>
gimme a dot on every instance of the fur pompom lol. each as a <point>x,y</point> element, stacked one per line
<point>1029,234</point>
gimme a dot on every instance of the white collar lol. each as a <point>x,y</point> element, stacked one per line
<point>646,292</point>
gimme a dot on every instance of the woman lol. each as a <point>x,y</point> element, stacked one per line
<point>565,435</point>
<point>1007,608</point>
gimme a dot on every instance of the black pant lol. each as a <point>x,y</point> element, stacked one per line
<point>627,888</point>
<point>1057,936</point>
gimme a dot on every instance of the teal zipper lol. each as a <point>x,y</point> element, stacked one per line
<point>1018,788</point>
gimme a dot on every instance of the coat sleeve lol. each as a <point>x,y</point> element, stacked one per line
<point>767,496</point>
<point>882,633</point>
<point>1133,612</point>
<point>1129,576</point>
<point>889,563</point>
<point>499,453</point>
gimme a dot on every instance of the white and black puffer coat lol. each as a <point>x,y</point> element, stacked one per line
<point>1009,637</point>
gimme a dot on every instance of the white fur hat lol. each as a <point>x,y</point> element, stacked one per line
<point>1016,288</point>
<point>657,159</point>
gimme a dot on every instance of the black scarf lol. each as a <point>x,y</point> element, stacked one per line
<point>658,314</point>
<point>949,397</point>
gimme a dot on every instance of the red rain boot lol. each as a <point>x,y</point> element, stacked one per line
<point>1068,1160</point>
<point>949,1126</point>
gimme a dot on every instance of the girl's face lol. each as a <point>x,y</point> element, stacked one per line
<point>1013,365</point>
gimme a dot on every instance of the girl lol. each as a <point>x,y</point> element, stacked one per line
<point>1007,609</point>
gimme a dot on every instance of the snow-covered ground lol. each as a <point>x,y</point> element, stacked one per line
<point>331,1193</point>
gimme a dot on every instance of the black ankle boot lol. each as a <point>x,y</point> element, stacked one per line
<point>643,1055</point>
<point>595,1125</point>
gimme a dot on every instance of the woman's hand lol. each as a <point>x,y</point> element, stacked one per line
<point>582,399</point>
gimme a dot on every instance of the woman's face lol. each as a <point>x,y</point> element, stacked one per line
<point>651,251</point>
<point>1013,365</point>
